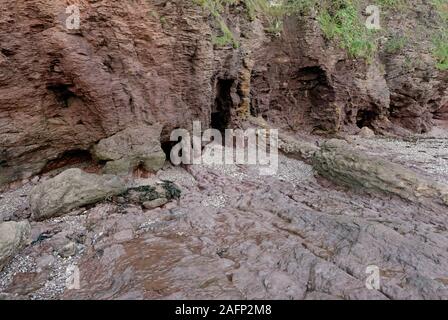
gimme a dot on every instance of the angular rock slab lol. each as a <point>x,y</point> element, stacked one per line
<point>72,189</point>
<point>339,162</point>
<point>13,237</point>
<point>130,148</point>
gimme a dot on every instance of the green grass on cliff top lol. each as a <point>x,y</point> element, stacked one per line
<point>440,40</point>
<point>341,21</point>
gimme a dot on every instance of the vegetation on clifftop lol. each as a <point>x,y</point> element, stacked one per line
<point>341,21</point>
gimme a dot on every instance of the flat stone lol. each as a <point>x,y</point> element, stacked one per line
<point>155,203</point>
<point>68,250</point>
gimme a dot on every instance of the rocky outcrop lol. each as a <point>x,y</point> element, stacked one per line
<point>366,133</point>
<point>70,190</point>
<point>129,64</point>
<point>152,196</point>
<point>339,162</point>
<point>130,148</point>
<point>75,188</point>
<point>13,237</point>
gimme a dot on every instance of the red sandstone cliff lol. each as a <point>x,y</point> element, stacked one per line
<point>153,61</point>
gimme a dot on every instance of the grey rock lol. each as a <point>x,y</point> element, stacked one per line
<point>295,148</point>
<point>72,189</point>
<point>13,237</point>
<point>130,148</point>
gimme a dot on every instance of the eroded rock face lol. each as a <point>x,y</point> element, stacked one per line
<point>70,190</point>
<point>13,237</point>
<point>65,90</point>
<point>301,81</point>
<point>130,148</point>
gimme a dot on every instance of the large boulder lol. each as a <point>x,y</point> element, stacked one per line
<point>339,162</point>
<point>130,148</point>
<point>72,189</point>
<point>13,237</point>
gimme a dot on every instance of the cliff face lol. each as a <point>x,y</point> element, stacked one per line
<point>63,90</point>
<point>135,62</point>
<point>305,81</point>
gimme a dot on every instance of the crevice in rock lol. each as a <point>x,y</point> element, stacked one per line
<point>71,157</point>
<point>7,52</point>
<point>315,84</point>
<point>440,113</point>
<point>3,157</point>
<point>220,116</point>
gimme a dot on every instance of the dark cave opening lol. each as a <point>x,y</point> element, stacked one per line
<point>220,117</point>
<point>68,158</point>
<point>365,118</point>
<point>62,93</point>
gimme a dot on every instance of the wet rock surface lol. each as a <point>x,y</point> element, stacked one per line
<point>136,70</point>
<point>236,234</point>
